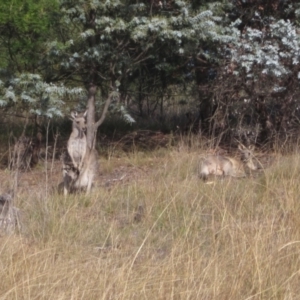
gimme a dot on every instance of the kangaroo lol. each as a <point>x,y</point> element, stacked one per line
<point>9,215</point>
<point>70,173</point>
<point>226,166</point>
<point>88,171</point>
<point>80,163</point>
<point>77,143</point>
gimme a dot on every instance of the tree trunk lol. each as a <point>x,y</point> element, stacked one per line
<point>91,128</point>
<point>204,94</point>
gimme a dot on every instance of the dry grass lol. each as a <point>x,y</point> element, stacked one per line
<point>153,230</point>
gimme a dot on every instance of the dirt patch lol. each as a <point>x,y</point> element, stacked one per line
<point>122,174</point>
<point>34,181</point>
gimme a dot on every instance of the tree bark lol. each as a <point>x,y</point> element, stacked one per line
<point>104,111</point>
<point>92,125</point>
<point>91,128</point>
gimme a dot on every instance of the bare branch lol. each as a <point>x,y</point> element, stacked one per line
<point>105,109</point>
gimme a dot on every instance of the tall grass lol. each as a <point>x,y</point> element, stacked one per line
<point>234,239</point>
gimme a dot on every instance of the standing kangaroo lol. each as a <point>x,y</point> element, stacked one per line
<point>80,163</point>
<point>227,166</point>
<point>77,143</point>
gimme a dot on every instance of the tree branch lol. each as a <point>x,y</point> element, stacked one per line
<point>104,112</point>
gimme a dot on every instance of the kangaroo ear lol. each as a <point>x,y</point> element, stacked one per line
<point>73,115</point>
<point>252,147</point>
<point>241,147</point>
<point>85,113</point>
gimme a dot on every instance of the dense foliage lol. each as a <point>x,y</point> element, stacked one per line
<point>233,66</point>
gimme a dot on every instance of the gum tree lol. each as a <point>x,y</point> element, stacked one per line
<point>105,46</point>
<point>258,85</point>
<point>106,43</point>
<point>25,27</point>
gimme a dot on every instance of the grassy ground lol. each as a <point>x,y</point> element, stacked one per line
<point>153,230</point>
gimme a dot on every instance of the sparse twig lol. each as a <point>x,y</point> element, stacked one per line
<point>54,149</point>
<point>17,164</point>
<point>46,158</point>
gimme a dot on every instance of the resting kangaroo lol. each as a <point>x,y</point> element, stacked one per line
<point>227,166</point>
<point>80,163</point>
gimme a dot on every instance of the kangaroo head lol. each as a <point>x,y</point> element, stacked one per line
<point>79,122</point>
<point>247,155</point>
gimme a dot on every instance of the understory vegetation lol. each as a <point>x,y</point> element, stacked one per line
<point>231,68</point>
<point>152,230</point>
